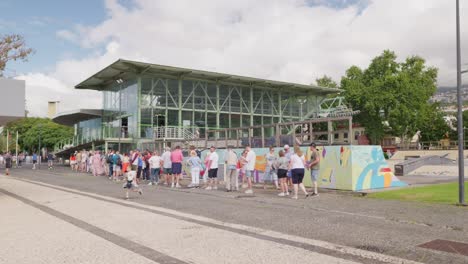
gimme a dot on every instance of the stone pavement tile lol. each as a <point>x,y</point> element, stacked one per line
<point>187,241</point>
<point>29,235</point>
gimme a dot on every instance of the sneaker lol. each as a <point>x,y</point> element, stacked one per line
<point>177,186</point>
<point>249,191</point>
<point>208,188</point>
<point>287,193</point>
<point>314,195</point>
<point>294,197</point>
<point>140,192</point>
<point>165,183</point>
<point>150,183</point>
<point>126,197</point>
<point>281,194</point>
<point>172,185</point>
<point>191,185</point>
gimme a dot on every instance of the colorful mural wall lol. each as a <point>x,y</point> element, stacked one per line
<point>352,168</point>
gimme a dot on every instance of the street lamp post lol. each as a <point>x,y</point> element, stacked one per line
<point>40,152</point>
<point>120,81</point>
<point>461,161</point>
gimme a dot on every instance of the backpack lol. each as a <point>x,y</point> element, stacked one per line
<point>119,161</point>
<point>109,158</point>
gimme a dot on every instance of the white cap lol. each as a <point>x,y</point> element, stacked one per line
<point>286,146</point>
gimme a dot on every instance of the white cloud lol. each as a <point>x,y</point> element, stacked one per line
<point>67,35</point>
<point>41,88</point>
<point>288,40</point>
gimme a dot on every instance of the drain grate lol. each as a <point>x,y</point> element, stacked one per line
<point>447,246</point>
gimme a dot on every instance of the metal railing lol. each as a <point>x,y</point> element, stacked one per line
<point>170,133</point>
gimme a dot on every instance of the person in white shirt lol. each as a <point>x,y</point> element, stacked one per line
<point>167,165</point>
<point>130,184</point>
<point>231,178</point>
<point>297,167</point>
<point>249,168</point>
<point>213,172</point>
<point>155,167</point>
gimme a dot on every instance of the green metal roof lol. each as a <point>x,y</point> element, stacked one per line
<point>72,117</point>
<point>126,69</point>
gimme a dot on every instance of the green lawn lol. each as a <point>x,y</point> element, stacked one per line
<point>446,193</point>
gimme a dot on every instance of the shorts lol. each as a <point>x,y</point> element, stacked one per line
<point>167,170</point>
<point>34,161</point>
<point>176,168</point>
<point>282,173</point>
<point>116,167</point>
<point>297,175</point>
<point>213,173</point>
<point>129,185</point>
<point>270,175</point>
<point>249,173</point>
<point>314,175</point>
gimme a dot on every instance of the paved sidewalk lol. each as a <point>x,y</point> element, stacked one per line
<point>389,227</point>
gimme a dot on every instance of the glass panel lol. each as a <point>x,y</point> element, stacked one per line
<point>245,120</point>
<point>211,91</point>
<point>118,104</point>
<point>200,99</point>
<point>257,100</point>
<point>172,118</point>
<point>187,96</point>
<point>173,93</point>
<point>246,98</point>
<point>187,119</point>
<point>224,97</point>
<point>223,120</point>
<point>211,119</point>
<point>90,129</point>
<point>235,120</point>
<point>235,100</point>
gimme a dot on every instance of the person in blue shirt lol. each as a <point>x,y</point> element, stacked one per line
<point>140,167</point>
<point>34,159</point>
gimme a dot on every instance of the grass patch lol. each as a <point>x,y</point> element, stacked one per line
<point>446,193</point>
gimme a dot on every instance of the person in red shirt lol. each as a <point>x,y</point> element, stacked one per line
<point>176,159</point>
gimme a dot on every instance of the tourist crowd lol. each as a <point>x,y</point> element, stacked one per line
<point>284,169</point>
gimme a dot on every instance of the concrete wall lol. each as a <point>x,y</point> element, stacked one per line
<point>12,99</point>
<point>354,168</point>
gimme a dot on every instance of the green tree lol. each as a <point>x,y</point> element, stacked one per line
<point>29,130</point>
<point>12,48</point>
<point>393,96</point>
<point>11,142</point>
<point>326,81</point>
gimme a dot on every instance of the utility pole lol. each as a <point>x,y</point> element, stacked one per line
<point>40,152</point>
<point>461,158</point>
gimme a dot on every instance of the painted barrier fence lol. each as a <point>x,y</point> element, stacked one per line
<point>352,168</point>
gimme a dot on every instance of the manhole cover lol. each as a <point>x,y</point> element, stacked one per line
<point>447,246</point>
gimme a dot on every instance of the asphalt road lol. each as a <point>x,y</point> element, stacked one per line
<point>317,225</point>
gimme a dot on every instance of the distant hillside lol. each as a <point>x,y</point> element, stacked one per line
<point>442,89</point>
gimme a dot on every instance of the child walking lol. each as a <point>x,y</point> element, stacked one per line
<point>131,185</point>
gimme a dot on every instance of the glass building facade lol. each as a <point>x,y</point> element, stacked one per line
<point>143,104</point>
<point>140,97</point>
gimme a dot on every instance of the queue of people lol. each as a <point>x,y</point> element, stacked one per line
<point>285,169</point>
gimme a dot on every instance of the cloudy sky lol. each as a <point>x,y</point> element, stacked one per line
<point>288,40</point>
